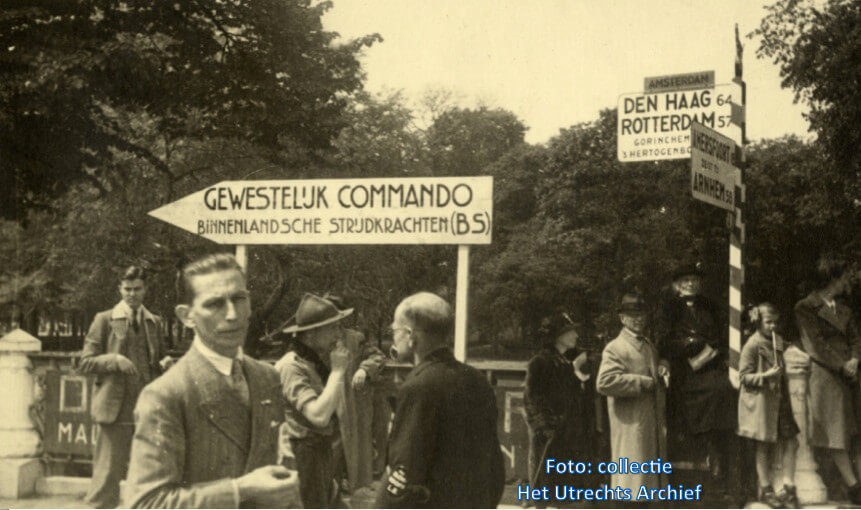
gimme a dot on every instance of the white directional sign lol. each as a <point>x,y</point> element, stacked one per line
<point>713,176</point>
<point>656,126</point>
<point>421,210</point>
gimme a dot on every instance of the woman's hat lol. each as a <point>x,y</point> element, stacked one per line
<point>555,325</point>
<point>632,302</point>
<point>313,312</point>
<point>688,269</point>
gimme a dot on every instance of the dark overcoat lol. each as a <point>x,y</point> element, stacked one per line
<point>560,413</point>
<point>443,447</point>
<point>702,400</point>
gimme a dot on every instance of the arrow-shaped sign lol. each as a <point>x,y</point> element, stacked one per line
<point>442,210</point>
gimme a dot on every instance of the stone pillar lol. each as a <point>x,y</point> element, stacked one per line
<point>20,444</point>
<point>809,485</point>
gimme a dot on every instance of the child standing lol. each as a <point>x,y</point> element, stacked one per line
<point>764,411</point>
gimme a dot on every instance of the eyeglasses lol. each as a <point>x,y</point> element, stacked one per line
<point>391,331</point>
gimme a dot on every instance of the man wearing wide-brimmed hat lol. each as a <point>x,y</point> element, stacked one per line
<point>313,389</point>
<point>634,380</point>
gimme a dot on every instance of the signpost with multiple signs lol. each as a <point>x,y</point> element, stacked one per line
<point>688,116</point>
<point>655,124</point>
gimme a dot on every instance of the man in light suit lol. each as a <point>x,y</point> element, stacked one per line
<point>123,348</point>
<point>207,431</point>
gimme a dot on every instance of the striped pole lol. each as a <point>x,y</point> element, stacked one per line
<point>736,236</point>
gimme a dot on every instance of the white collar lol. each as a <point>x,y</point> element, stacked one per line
<point>222,364</point>
<point>636,336</point>
<point>123,311</point>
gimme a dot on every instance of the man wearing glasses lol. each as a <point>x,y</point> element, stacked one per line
<point>313,390</point>
<point>443,448</point>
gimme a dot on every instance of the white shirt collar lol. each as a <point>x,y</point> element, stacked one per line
<point>123,311</point>
<point>636,336</point>
<point>222,364</point>
<point>127,310</point>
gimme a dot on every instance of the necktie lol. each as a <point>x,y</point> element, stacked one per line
<point>238,382</point>
<point>135,324</point>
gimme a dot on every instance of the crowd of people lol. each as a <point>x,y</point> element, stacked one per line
<point>205,430</point>
<point>665,376</point>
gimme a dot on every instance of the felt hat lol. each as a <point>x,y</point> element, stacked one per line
<point>313,312</point>
<point>633,302</point>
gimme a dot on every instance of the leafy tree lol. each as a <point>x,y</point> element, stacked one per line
<point>81,80</point>
<point>817,46</point>
<point>380,139</point>
<point>463,141</point>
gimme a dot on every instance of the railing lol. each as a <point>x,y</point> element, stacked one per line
<point>59,411</point>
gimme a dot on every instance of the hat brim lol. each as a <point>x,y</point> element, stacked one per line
<point>688,272</point>
<point>295,328</point>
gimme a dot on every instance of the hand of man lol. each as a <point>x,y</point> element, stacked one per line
<point>125,365</point>
<point>269,487</point>
<point>359,379</point>
<point>648,383</point>
<point>166,363</point>
<point>664,373</point>
<point>850,368</point>
<point>340,358</point>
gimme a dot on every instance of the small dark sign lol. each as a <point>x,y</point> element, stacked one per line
<point>69,429</point>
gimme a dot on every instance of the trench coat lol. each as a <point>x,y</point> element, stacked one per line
<point>830,339</point>
<point>637,425</point>
<point>759,399</point>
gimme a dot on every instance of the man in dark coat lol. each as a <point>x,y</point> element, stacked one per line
<point>559,401</point>
<point>702,402</point>
<point>443,448</point>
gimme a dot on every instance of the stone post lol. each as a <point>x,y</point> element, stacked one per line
<point>20,445</point>
<point>809,485</point>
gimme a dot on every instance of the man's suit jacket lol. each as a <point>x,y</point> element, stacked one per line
<point>105,340</point>
<point>188,443</point>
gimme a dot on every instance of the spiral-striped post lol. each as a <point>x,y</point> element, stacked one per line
<point>736,237</point>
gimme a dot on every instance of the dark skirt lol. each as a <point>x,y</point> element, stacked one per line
<point>705,402</point>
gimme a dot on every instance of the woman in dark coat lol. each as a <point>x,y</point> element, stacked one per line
<point>831,337</point>
<point>560,405</point>
<point>701,402</point>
